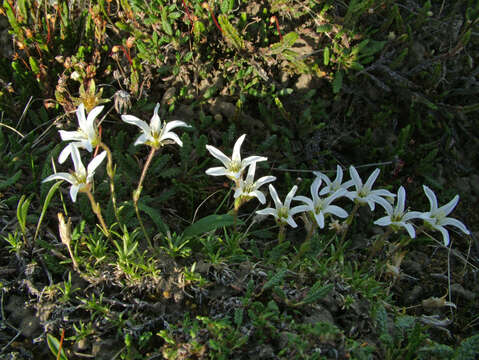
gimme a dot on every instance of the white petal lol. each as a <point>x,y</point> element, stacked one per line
<point>336,210</point>
<point>445,234</point>
<point>383,192</point>
<point>274,195</point>
<point>456,223</point>
<point>319,219</point>
<point>172,136</point>
<point>79,167</point>
<point>372,178</point>
<point>384,221</point>
<point>90,121</point>
<point>447,209</point>
<point>306,200</point>
<point>216,171</point>
<point>401,200</point>
<point>237,148</point>
<point>315,189</point>
<point>96,161</point>
<point>410,229</point>
<point>289,197</point>
<point>431,197</point>
<point>60,176</point>
<point>174,124</point>
<point>291,222</point>
<point>72,135</point>
<point>155,122</point>
<point>252,159</point>
<point>219,155</point>
<point>142,139</point>
<point>267,211</point>
<point>251,171</point>
<point>347,184</point>
<point>264,180</point>
<point>339,175</point>
<point>238,192</point>
<point>130,119</point>
<point>65,153</point>
<point>412,215</point>
<point>358,183</point>
<point>81,116</point>
<point>74,191</point>
<point>259,195</point>
<point>299,209</point>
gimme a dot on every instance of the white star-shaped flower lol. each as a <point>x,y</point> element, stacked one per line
<point>249,188</point>
<point>234,167</point>
<point>80,179</point>
<point>333,186</point>
<point>86,137</point>
<point>437,218</point>
<point>397,217</point>
<point>156,134</point>
<point>364,192</point>
<point>321,207</point>
<point>283,213</point>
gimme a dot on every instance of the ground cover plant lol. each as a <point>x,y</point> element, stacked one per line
<point>239,179</point>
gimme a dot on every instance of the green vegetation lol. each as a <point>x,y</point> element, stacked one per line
<point>154,242</point>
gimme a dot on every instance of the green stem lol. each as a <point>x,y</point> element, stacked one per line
<point>281,233</point>
<point>379,243</point>
<point>111,174</point>
<point>306,245</point>
<point>137,193</point>
<point>349,221</point>
<point>97,210</point>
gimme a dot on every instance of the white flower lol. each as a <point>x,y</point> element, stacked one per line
<point>81,178</point>
<point>320,207</point>
<point>397,217</point>
<point>155,134</point>
<point>249,188</point>
<point>364,193</point>
<point>437,217</point>
<point>333,186</point>
<point>234,167</point>
<point>86,137</point>
<point>283,213</point>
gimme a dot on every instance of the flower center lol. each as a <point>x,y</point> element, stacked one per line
<point>283,212</point>
<point>235,166</point>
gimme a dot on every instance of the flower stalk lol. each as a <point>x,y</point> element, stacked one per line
<point>97,210</point>
<point>110,170</point>
<point>137,193</point>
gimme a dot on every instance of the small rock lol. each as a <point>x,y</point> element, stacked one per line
<point>457,289</point>
<point>168,95</point>
<point>320,315</point>
<point>30,327</point>
<point>81,345</point>
<point>225,108</point>
<point>412,267</point>
<point>303,81</point>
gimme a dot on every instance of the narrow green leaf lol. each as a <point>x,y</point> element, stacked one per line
<point>275,280</point>
<point>338,82</point>
<point>209,223</point>
<point>50,194</point>
<point>54,345</point>
<point>164,22</point>
<point>155,216</point>
<point>326,56</point>
<point>227,6</point>
<point>317,292</point>
<point>11,180</point>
